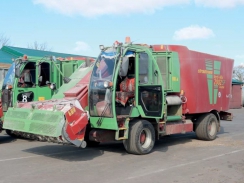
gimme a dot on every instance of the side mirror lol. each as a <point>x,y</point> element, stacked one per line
<point>52,86</point>
<point>88,62</point>
<point>17,72</point>
<point>17,65</point>
<point>39,69</point>
<point>53,58</point>
<point>66,80</point>
<point>124,66</point>
<point>40,79</point>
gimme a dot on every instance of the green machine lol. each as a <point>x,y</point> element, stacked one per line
<point>135,93</point>
<point>36,79</point>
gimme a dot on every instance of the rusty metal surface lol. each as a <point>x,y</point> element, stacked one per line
<point>174,128</point>
<point>102,135</point>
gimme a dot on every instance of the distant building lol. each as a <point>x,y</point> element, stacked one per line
<point>237,100</point>
<point>243,96</point>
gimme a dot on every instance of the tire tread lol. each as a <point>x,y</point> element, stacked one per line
<point>201,127</point>
<point>130,144</point>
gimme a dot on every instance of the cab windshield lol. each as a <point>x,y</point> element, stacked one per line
<point>9,78</point>
<point>100,96</point>
<point>104,67</point>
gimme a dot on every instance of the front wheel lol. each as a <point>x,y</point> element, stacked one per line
<point>207,127</point>
<point>141,138</point>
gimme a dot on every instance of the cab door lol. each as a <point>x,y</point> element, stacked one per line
<point>150,93</point>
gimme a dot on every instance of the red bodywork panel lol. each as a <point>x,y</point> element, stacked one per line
<point>101,135</point>
<point>80,91</point>
<point>174,128</point>
<point>76,123</point>
<point>205,79</point>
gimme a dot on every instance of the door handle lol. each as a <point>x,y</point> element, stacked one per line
<point>20,90</point>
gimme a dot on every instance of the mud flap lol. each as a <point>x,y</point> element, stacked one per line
<point>76,142</point>
<point>226,116</point>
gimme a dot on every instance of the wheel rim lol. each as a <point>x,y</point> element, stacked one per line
<point>212,128</point>
<point>145,138</point>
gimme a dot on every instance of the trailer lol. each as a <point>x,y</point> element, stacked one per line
<point>136,93</point>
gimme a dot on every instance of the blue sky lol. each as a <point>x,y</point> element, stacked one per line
<point>80,26</point>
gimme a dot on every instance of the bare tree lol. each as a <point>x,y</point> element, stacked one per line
<point>238,72</point>
<point>4,40</point>
<point>39,46</point>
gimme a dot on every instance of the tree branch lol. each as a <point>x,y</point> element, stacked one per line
<point>4,40</point>
<point>39,46</point>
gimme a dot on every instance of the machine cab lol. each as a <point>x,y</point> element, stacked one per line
<point>122,80</point>
<point>27,80</point>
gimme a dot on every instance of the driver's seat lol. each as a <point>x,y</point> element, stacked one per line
<point>27,76</point>
<point>127,90</point>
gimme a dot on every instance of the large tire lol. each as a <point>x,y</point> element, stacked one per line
<point>141,138</point>
<point>207,127</point>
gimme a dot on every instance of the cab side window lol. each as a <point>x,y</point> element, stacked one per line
<point>44,75</point>
<point>143,68</point>
<point>28,76</point>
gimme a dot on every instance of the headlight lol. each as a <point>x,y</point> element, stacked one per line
<point>107,84</point>
<point>52,86</point>
<point>101,47</point>
<point>9,87</point>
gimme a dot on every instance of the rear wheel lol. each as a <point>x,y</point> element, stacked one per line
<point>141,138</point>
<point>207,127</point>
